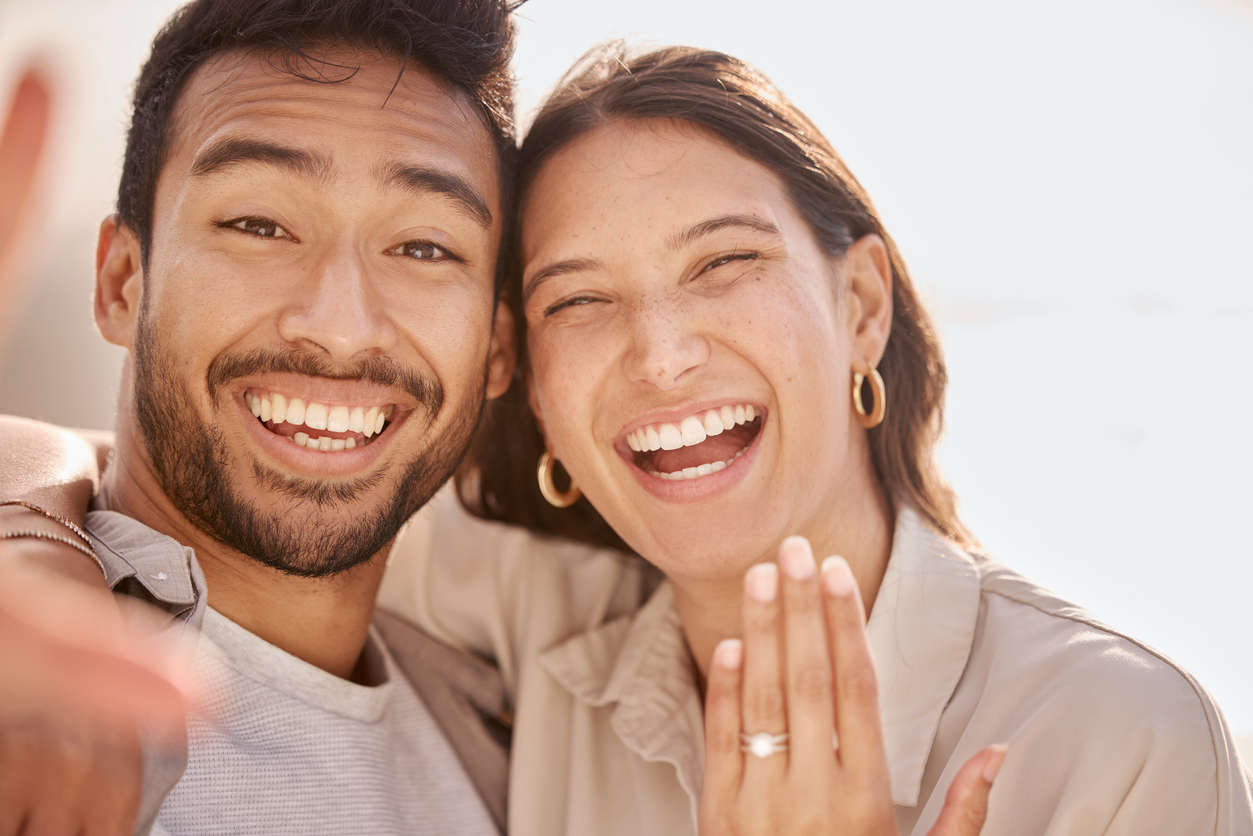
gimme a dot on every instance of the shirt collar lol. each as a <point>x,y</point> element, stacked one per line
<point>920,632</point>
<point>641,664</point>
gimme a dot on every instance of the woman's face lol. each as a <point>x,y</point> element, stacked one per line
<point>677,303</point>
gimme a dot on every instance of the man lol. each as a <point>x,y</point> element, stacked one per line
<point>308,222</point>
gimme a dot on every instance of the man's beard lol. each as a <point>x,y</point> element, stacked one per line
<point>191,461</point>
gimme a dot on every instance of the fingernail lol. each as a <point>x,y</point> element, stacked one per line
<point>995,760</point>
<point>762,582</point>
<point>836,576</point>
<point>729,654</point>
<point>797,558</point>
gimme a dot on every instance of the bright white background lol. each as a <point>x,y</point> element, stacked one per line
<point>1071,183</point>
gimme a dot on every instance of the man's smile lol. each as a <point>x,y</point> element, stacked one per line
<point>327,427</point>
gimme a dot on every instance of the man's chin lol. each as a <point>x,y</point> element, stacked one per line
<point>317,528</point>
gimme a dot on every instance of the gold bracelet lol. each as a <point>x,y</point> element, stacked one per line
<point>44,535</point>
<point>30,507</point>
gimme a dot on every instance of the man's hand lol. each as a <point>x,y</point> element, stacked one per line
<point>72,684</point>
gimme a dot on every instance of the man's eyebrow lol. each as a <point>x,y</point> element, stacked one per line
<point>560,268</point>
<point>236,150</point>
<point>697,231</point>
<point>423,181</point>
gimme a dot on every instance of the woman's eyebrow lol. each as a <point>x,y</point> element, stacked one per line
<point>560,268</point>
<point>705,228</point>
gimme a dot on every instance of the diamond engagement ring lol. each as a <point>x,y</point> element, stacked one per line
<point>763,744</point>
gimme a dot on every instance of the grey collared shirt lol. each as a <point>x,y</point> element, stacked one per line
<point>277,745</point>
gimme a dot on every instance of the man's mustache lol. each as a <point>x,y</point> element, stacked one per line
<point>383,371</point>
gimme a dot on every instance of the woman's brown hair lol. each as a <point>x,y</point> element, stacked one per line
<point>740,106</point>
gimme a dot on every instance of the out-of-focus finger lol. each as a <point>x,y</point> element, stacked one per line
<point>856,686</point>
<point>57,759</point>
<point>112,801</point>
<point>67,644</point>
<point>810,707</point>
<point>764,706</point>
<point>724,762</point>
<point>13,793</point>
<point>966,802</point>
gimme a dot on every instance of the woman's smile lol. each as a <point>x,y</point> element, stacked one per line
<point>703,443</point>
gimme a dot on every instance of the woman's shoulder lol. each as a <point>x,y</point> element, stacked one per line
<point>1104,719</point>
<point>484,585</point>
<point>1029,627</point>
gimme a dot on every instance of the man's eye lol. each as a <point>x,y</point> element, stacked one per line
<point>423,250</point>
<point>259,227</point>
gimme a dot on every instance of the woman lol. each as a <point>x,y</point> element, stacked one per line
<point>722,348</point>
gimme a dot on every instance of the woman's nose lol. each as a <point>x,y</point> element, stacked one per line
<point>665,347</point>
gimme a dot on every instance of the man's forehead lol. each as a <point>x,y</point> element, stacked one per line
<point>416,113</point>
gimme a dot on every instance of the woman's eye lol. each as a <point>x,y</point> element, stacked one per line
<point>729,257</point>
<point>568,303</point>
<point>259,227</point>
<point>422,250</point>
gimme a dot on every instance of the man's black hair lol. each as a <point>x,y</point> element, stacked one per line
<point>468,43</point>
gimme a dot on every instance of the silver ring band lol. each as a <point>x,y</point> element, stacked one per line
<point>763,744</point>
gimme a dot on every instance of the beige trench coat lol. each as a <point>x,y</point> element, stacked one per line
<point>1106,735</point>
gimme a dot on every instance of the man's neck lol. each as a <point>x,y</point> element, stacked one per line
<point>322,621</point>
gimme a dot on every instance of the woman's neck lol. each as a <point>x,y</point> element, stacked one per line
<point>861,533</point>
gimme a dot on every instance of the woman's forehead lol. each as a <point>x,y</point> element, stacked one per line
<point>646,173</point>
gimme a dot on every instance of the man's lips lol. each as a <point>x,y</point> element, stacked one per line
<point>327,427</point>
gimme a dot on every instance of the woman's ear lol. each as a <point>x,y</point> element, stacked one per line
<point>502,357</point>
<point>119,282</point>
<point>867,270</point>
<point>533,401</point>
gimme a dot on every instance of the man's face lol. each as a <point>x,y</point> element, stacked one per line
<point>323,253</point>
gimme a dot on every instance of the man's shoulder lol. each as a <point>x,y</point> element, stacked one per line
<point>140,562</point>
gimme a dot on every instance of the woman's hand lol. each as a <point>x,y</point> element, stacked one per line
<point>804,670</point>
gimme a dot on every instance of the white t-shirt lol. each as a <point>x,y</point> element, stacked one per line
<point>280,746</point>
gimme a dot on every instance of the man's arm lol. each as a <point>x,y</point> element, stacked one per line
<point>57,471</point>
<point>71,683</point>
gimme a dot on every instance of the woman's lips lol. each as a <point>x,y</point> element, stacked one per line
<point>699,445</point>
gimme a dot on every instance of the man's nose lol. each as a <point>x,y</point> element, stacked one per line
<point>666,346</point>
<point>340,310</point>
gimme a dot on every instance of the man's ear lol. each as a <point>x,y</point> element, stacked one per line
<point>502,356</point>
<point>867,270</point>
<point>119,282</point>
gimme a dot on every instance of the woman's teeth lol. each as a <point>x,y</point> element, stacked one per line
<point>694,472</point>
<point>691,430</point>
<point>688,449</point>
<point>276,409</point>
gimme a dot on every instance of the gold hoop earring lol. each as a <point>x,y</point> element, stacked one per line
<point>546,486</point>
<point>875,418</point>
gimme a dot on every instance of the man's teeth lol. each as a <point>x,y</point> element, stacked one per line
<point>691,430</point>
<point>324,443</point>
<point>368,421</point>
